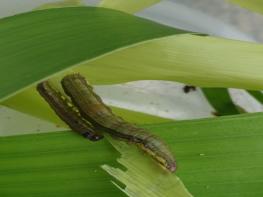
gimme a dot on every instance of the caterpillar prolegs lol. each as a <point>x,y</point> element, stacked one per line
<point>86,114</point>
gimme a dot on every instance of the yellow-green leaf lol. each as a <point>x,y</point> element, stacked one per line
<point>60,4</point>
<point>129,6</point>
<point>198,60</point>
<point>141,177</point>
<point>253,5</point>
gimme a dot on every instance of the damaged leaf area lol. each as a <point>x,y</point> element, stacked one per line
<point>143,177</point>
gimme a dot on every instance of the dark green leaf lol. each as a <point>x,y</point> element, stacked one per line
<point>52,40</point>
<point>257,95</point>
<point>220,99</point>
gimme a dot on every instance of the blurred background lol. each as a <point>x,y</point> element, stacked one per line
<point>160,98</point>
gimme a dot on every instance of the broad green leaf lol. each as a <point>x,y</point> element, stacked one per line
<point>33,46</point>
<point>60,4</point>
<point>129,6</point>
<point>253,5</point>
<point>142,178</point>
<point>202,61</point>
<point>215,157</point>
<point>220,99</point>
<point>257,95</point>
<point>198,60</point>
<point>60,164</point>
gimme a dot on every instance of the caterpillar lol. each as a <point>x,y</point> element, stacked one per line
<point>91,108</point>
<point>64,108</point>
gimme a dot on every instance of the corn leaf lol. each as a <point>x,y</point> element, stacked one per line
<point>141,177</point>
<point>215,157</point>
<point>44,46</point>
<point>198,60</point>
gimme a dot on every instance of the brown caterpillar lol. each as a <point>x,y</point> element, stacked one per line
<point>94,111</point>
<point>67,111</point>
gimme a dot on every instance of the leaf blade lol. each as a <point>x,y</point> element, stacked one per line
<point>228,148</point>
<point>63,41</point>
<point>197,60</point>
<point>142,179</point>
